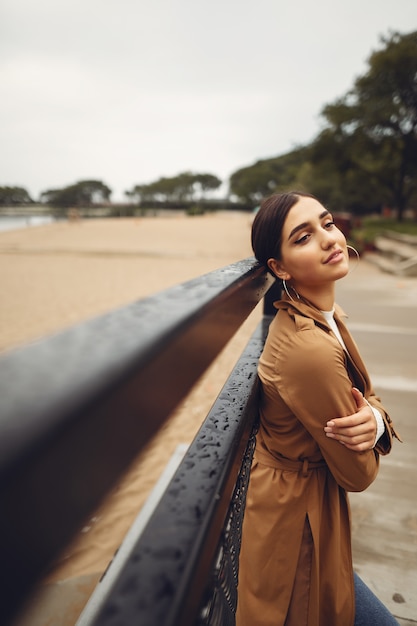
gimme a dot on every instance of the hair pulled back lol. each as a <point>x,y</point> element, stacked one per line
<point>268,224</point>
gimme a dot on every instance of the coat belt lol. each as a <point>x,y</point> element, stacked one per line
<point>303,466</point>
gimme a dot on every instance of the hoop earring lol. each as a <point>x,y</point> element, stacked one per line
<point>357,256</point>
<point>284,284</point>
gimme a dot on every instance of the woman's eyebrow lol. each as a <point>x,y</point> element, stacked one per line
<point>304,224</point>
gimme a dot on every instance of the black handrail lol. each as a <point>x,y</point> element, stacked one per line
<point>77,407</point>
<point>166,579</point>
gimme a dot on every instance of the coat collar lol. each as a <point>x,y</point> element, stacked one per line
<point>306,309</point>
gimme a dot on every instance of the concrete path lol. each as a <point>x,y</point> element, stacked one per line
<point>382,313</point>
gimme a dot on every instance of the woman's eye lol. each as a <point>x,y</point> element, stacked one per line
<point>302,239</point>
<point>329,224</point>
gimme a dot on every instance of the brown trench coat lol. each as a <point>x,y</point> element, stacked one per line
<point>297,506</point>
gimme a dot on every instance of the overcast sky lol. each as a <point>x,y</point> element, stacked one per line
<point>126,91</point>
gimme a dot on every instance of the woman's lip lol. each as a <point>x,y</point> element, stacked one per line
<point>334,257</point>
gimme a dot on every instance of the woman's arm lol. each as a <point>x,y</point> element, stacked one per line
<point>316,387</point>
<point>369,427</point>
<point>358,431</point>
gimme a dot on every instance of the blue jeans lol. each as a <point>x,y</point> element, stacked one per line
<point>369,610</point>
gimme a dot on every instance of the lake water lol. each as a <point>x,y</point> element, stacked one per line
<point>19,221</point>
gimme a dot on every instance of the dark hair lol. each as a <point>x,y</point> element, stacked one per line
<point>269,221</point>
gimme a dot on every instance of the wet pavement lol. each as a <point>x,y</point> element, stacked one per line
<point>382,310</point>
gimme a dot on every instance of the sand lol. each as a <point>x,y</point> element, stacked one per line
<point>60,274</point>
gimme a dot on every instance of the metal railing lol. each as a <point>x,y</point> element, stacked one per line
<point>78,407</point>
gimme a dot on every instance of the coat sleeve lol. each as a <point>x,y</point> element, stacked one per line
<point>316,387</point>
<point>384,443</point>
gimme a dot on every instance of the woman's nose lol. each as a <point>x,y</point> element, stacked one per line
<point>328,239</point>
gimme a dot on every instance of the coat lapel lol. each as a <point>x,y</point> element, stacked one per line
<point>354,364</point>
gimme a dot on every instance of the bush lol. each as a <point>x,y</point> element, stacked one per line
<point>195,210</point>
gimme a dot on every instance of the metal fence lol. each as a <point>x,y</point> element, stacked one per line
<point>77,407</point>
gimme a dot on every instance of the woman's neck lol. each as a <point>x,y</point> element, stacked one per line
<point>322,299</point>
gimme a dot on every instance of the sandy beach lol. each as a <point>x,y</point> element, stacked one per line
<point>57,275</point>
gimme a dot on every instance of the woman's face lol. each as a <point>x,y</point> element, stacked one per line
<point>313,250</point>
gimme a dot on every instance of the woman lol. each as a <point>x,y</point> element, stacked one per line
<point>295,562</point>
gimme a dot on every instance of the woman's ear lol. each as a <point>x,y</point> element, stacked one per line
<point>277,269</point>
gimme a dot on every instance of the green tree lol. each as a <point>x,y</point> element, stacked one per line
<point>366,156</point>
<point>206,182</point>
<point>250,184</point>
<point>81,194</point>
<point>12,196</point>
<point>177,189</point>
<point>375,123</point>
<point>333,174</point>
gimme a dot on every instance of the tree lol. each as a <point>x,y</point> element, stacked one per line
<point>206,182</point>
<point>83,193</point>
<point>12,196</point>
<point>267,176</point>
<point>333,175</point>
<point>176,189</point>
<point>376,121</point>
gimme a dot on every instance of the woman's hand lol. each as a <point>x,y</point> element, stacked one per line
<point>358,431</point>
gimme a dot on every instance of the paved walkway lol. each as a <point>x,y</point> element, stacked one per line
<point>382,311</point>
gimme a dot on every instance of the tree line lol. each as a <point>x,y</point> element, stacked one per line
<point>365,157</point>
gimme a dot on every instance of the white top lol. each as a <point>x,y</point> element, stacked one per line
<point>329,317</point>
